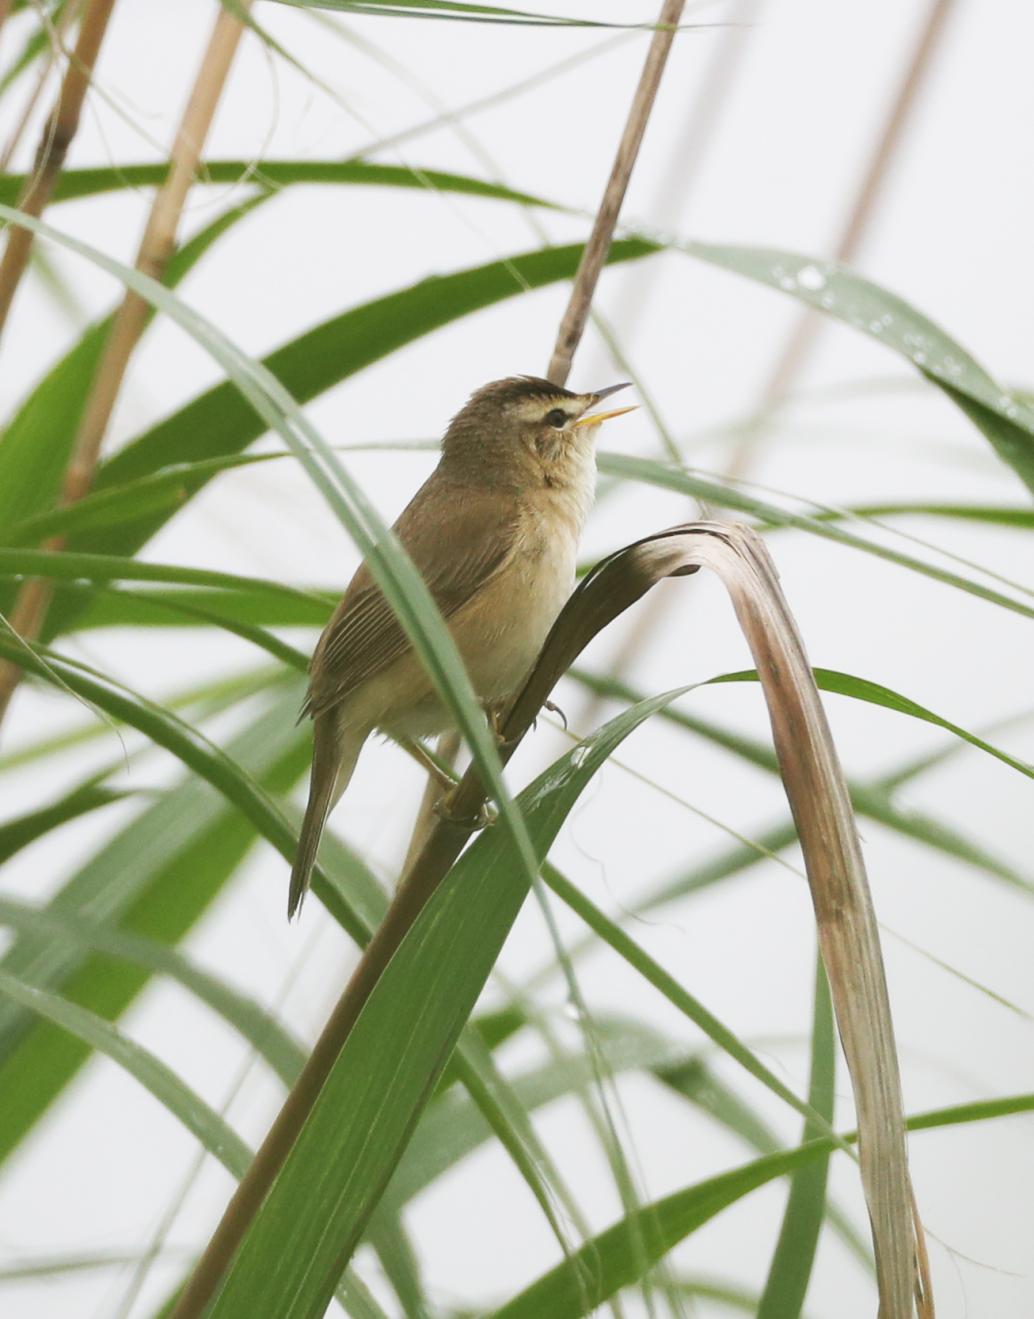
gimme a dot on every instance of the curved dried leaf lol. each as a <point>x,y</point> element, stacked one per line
<point>821,806</point>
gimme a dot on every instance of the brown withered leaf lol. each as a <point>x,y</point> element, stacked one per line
<point>821,807</point>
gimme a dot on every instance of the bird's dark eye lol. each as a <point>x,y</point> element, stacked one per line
<point>557,418</point>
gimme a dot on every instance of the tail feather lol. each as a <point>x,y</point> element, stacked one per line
<point>333,760</point>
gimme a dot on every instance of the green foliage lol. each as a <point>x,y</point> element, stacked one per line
<point>790,1270</point>
<point>423,1082</point>
<point>328,1187</point>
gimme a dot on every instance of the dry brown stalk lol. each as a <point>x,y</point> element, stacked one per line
<point>56,138</point>
<point>5,9</point>
<point>55,48</point>
<point>572,326</point>
<point>156,247</point>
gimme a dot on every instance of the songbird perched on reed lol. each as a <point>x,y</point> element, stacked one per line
<point>494,533</point>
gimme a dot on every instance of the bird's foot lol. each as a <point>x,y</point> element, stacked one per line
<point>444,808</point>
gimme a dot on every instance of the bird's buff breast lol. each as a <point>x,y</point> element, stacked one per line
<point>499,634</point>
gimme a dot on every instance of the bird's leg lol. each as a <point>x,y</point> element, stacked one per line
<point>487,813</point>
<point>426,761</point>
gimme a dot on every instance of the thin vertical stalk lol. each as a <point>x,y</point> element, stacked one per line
<point>156,247</point>
<point>55,47</point>
<point>707,104</point>
<point>57,136</point>
<point>572,325</point>
<point>709,101</point>
<point>5,9</point>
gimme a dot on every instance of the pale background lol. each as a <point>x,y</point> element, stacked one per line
<point>778,168</point>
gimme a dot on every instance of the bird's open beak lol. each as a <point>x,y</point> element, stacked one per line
<point>595,418</point>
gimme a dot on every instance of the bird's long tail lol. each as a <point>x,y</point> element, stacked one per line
<point>333,759</point>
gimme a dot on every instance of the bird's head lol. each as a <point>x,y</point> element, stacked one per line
<point>525,425</point>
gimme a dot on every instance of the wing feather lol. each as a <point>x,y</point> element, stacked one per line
<point>458,537</point>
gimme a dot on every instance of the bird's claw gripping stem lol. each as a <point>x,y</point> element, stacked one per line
<point>495,712</point>
<point>444,808</point>
<point>555,709</point>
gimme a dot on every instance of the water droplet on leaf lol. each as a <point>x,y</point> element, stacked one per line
<point>811,278</point>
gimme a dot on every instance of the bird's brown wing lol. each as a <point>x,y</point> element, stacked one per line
<point>458,537</point>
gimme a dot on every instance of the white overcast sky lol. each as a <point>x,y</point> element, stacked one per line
<point>777,168</point>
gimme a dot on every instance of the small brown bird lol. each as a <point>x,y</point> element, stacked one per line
<point>494,533</point>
